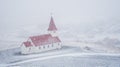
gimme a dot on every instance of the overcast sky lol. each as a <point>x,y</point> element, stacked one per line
<point>16,13</point>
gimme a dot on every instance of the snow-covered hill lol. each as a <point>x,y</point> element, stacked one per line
<point>75,60</point>
<point>74,52</point>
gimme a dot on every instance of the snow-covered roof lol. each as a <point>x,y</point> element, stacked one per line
<point>43,40</point>
<point>52,26</point>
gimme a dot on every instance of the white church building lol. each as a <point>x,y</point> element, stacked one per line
<point>44,42</point>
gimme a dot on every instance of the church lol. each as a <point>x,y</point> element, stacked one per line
<point>41,43</point>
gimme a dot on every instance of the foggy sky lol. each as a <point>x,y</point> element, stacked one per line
<point>18,13</point>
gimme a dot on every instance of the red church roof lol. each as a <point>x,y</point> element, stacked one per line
<point>27,43</point>
<point>52,26</point>
<point>42,40</point>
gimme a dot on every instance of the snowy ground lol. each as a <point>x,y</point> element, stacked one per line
<point>76,60</point>
<point>77,55</point>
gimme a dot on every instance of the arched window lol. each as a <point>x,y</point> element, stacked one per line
<point>43,46</point>
<point>48,46</point>
<point>39,47</point>
<point>29,49</point>
<point>52,45</point>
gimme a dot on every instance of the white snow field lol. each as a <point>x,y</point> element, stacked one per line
<point>77,55</point>
<point>75,60</point>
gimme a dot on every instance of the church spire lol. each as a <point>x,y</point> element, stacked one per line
<point>52,26</point>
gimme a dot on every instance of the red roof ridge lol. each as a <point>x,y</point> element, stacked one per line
<point>40,35</point>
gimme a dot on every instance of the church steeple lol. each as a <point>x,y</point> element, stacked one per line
<point>52,26</point>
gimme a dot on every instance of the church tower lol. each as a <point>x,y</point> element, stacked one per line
<point>52,28</point>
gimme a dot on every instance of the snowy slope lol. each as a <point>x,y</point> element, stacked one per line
<point>69,52</point>
<point>75,60</point>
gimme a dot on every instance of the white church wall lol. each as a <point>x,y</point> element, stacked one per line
<point>53,33</point>
<point>42,48</point>
<point>25,50</point>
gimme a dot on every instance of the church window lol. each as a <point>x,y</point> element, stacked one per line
<point>43,46</point>
<point>39,47</point>
<point>52,45</point>
<point>48,46</point>
<point>29,49</point>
